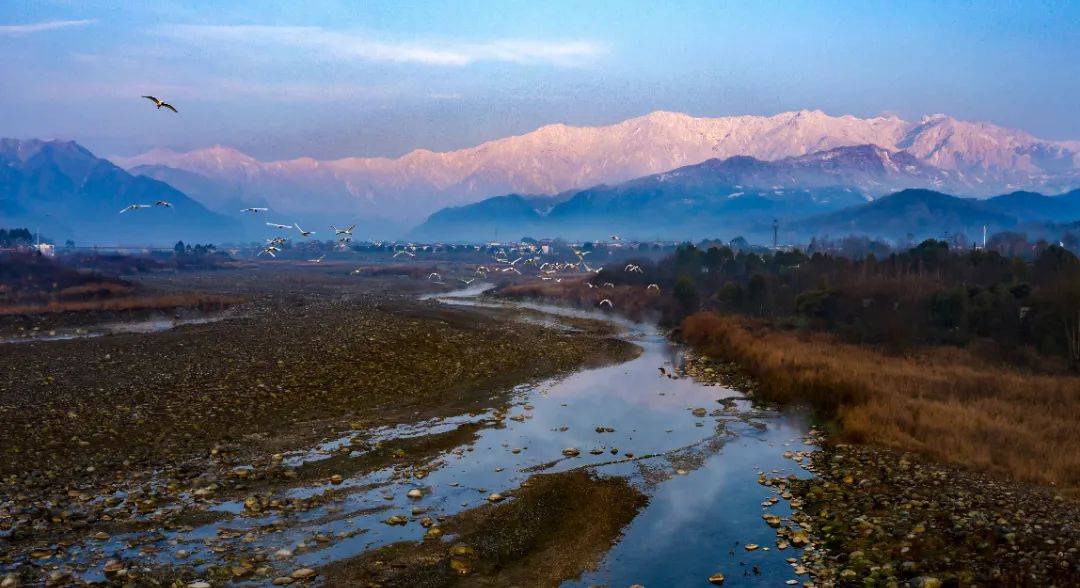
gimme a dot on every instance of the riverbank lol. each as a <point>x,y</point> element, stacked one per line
<point>883,517</point>
<point>557,527</point>
<point>153,433</point>
<point>940,402</point>
<point>964,473</point>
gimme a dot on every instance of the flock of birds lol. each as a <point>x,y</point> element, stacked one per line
<point>344,236</point>
<point>272,248</point>
<point>524,254</point>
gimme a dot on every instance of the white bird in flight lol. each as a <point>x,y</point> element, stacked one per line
<point>346,231</point>
<point>317,259</point>
<point>469,281</point>
<point>302,231</point>
<point>134,207</point>
<point>163,203</point>
<point>608,302</point>
<point>633,268</point>
<point>161,104</point>
<point>653,287</point>
<point>254,210</point>
<point>278,226</point>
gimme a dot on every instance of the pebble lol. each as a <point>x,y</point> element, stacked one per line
<point>415,493</point>
<point>751,546</point>
<point>282,581</point>
<point>495,497</point>
<point>571,452</point>
<point>716,579</point>
<point>303,574</point>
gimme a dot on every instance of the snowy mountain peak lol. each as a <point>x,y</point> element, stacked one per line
<point>558,157</point>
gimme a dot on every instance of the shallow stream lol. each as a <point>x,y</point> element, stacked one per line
<point>699,472</point>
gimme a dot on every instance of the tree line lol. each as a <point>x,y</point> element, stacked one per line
<point>1026,308</point>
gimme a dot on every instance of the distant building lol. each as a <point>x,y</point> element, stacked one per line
<point>45,249</point>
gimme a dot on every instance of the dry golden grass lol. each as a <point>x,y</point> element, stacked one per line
<point>942,402</point>
<point>204,302</point>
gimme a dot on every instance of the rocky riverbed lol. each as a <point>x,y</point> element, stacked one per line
<point>139,435</point>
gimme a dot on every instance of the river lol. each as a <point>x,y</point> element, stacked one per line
<point>700,474</point>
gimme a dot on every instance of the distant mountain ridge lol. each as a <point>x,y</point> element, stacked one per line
<point>65,191</point>
<point>717,194</point>
<point>978,158</point>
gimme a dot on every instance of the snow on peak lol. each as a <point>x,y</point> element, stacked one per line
<point>560,157</point>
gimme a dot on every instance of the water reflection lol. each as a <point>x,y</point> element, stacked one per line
<point>700,474</point>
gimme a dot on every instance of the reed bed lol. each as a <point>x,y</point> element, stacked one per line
<point>943,402</point>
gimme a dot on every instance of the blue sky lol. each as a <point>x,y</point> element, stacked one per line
<point>331,79</point>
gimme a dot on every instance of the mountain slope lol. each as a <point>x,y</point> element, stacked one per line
<point>1032,206</point>
<point>982,159</point>
<point>919,214</point>
<point>67,192</point>
<point>740,194</point>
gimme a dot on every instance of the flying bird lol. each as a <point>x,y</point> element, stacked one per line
<point>163,203</point>
<point>346,231</point>
<point>403,252</point>
<point>608,302</point>
<point>318,259</point>
<point>279,226</point>
<point>302,231</point>
<point>469,281</point>
<point>134,207</point>
<point>633,268</point>
<point>653,287</point>
<point>254,210</point>
<point>161,104</point>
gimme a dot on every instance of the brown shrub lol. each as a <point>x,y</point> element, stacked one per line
<point>204,302</point>
<point>943,402</point>
<point>633,301</point>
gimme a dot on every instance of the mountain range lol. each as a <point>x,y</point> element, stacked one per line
<point>63,190</point>
<point>970,158</point>
<point>826,192</point>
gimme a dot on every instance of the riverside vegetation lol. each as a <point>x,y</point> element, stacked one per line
<point>948,380</point>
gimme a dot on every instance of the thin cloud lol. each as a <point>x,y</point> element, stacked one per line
<point>39,27</point>
<point>351,46</point>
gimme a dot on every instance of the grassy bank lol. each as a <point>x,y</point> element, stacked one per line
<point>941,402</point>
<point>556,527</point>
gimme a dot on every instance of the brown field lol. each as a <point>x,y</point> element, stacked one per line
<point>942,402</point>
<point>204,302</point>
<point>633,301</point>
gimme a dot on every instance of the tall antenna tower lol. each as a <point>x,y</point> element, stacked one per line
<point>775,233</point>
<point>984,236</point>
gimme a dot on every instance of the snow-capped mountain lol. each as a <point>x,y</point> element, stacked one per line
<point>739,193</point>
<point>980,158</point>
